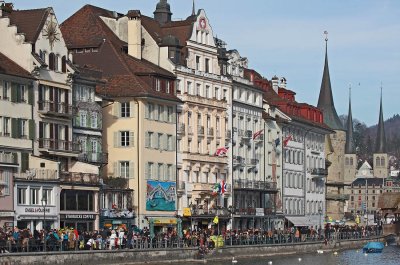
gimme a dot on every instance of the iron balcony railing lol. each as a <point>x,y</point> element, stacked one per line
<point>200,130</point>
<point>56,108</point>
<point>319,172</point>
<point>253,211</point>
<point>91,157</point>
<point>59,145</point>
<point>210,132</point>
<point>80,178</point>
<point>254,185</point>
<point>9,158</point>
<point>212,212</point>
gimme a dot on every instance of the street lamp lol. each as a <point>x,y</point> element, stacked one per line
<point>320,219</point>
<point>44,204</point>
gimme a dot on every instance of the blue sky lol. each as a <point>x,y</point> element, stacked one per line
<point>285,38</point>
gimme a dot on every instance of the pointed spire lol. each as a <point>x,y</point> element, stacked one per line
<point>380,143</point>
<point>163,12</point>
<point>349,149</point>
<point>325,100</point>
<point>193,9</point>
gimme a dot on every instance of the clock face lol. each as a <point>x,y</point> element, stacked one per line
<point>50,32</point>
<point>203,23</point>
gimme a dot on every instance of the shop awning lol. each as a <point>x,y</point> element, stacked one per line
<point>298,220</point>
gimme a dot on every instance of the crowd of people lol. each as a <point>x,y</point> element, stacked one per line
<point>70,239</point>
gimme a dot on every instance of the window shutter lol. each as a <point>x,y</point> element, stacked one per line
<point>131,170</point>
<point>116,171</point>
<point>174,173</point>
<point>117,109</point>
<point>131,139</point>
<point>116,139</point>
<point>147,140</point>
<point>31,129</point>
<point>155,140</point>
<point>131,110</point>
<point>173,143</point>
<point>147,171</point>
<point>156,114</point>
<point>99,121</point>
<point>24,162</point>
<point>173,116</point>
<point>164,145</point>
<point>14,128</point>
<point>30,95</point>
<point>14,92</point>
<point>89,119</point>
<point>147,111</point>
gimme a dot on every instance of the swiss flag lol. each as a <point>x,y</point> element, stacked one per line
<point>221,151</point>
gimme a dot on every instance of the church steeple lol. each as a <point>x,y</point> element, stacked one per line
<point>193,9</point>
<point>380,143</point>
<point>349,149</point>
<point>325,100</point>
<point>163,12</point>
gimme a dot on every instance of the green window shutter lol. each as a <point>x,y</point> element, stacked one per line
<point>89,119</point>
<point>147,140</point>
<point>147,111</point>
<point>78,119</point>
<point>88,146</point>
<point>30,95</point>
<point>14,92</point>
<point>14,128</point>
<point>99,146</point>
<point>117,109</point>
<point>31,129</point>
<point>24,162</point>
<point>131,139</point>
<point>99,121</point>
<point>131,170</point>
<point>116,139</point>
<point>116,171</point>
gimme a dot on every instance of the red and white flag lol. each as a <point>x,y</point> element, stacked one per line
<point>287,139</point>
<point>223,187</point>
<point>221,151</point>
<point>257,134</point>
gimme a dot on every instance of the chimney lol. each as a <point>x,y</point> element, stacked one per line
<point>275,83</point>
<point>134,34</point>
<point>283,82</point>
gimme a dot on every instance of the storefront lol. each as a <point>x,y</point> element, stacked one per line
<point>6,219</point>
<point>82,222</point>
<point>162,224</point>
<point>115,219</point>
<point>36,217</point>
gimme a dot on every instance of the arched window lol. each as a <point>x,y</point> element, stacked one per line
<point>52,61</point>
<point>64,64</point>
<point>382,161</point>
<point>377,161</point>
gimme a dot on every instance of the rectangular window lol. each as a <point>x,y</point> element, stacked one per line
<point>94,120</point>
<point>167,90</point>
<point>47,193</point>
<point>125,109</point>
<point>207,92</point>
<point>189,88</point>
<point>207,65</point>
<point>170,113</point>
<point>83,118</point>
<point>7,126</point>
<point>160,113</point>
<point>22,196</point>
<point>35,196</point>
<point>23,130</point>
<point>149,170</point>
<point>6,90</point>
<point>22,93</point>
<point>124,169</point>
<point>158,84</point>
<point>198,63</point>
<point>124,137</point>
<point>216,93</point>
<point>170,142</point>
<point>160,172</point>
<point>159,141</point>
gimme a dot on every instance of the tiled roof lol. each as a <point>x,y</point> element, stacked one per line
<point>125,75</point>
<point>389,200</point>
<point>370,181</point>
<point>9,67</point>
<point>29,22</point>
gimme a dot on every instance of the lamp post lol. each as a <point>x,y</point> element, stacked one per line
<point>320,219</point>
<point>44,204</point>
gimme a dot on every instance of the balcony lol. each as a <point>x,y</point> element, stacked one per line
<point>9,158</point>
<point>252,161</point>
<point>180,187</point>
<point>255,185</point>
<point>79,178</point>
<point>319,172</point>
<point>203,187</point>
<point>181,129</point>
<point>200,130</point>
<point>199,211</point>
<point>254,211</point>
<point>190,130</point>
<point>96,158</point>
<point>210,132</point>
<point>40,174</point>
<point>55,145</point>
<point>55,108</point>
<point>247,134</point>
<point>337,197</point>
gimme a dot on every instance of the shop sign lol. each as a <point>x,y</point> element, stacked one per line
<point>9,224</point>
<point>116,222</point>
<point>36,210</point>
<point>166,221</point>
<point>6,214</point>
<point>78,216</point>
<point>259,211</point>
<point>187,212</point>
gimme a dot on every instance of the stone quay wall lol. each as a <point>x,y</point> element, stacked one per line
<point>173,256</point>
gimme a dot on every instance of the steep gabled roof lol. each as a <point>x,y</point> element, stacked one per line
<point>9,67</point>
<point>125,75</point>
<point>29,22</point>
<point>350,148</point>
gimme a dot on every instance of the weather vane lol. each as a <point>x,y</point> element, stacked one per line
<point>326,35</point>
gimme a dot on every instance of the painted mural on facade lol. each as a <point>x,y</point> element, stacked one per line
<point>161,196</point>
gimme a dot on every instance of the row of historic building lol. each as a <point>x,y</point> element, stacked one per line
<point>113,119</point>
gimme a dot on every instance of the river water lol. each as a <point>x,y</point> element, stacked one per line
<point>389,256</point>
